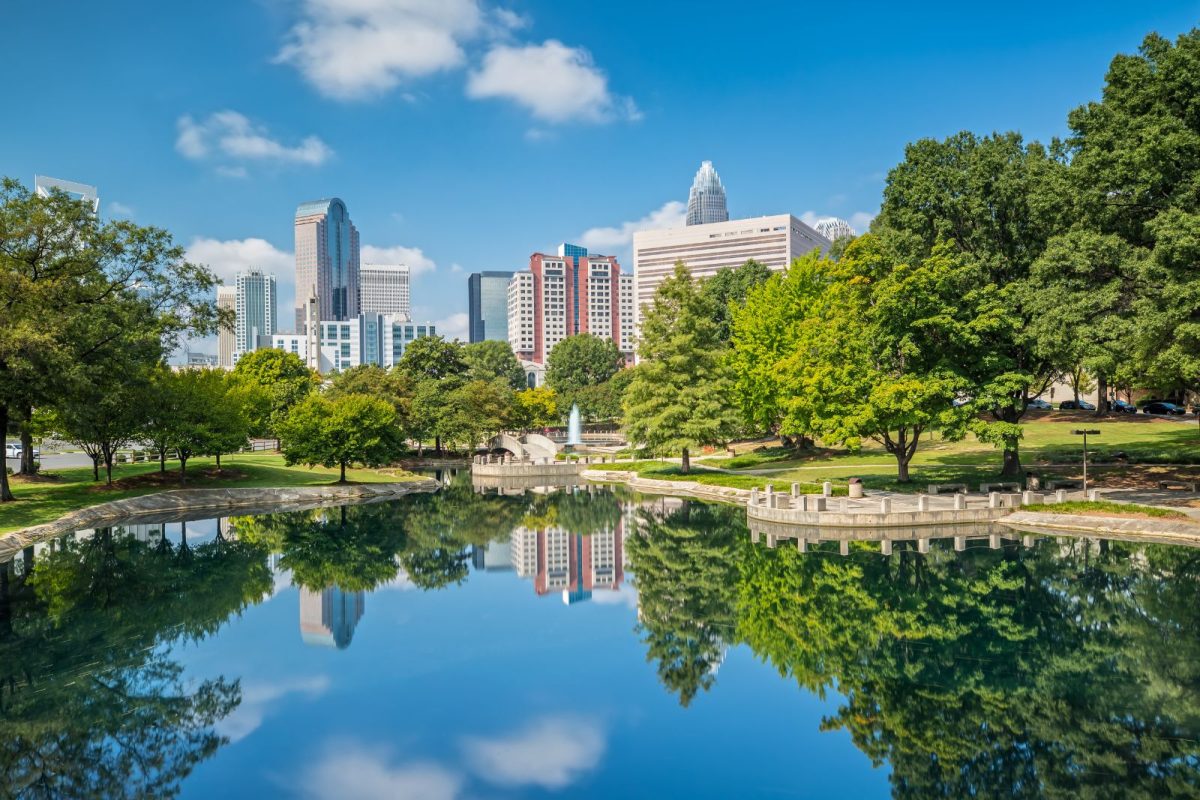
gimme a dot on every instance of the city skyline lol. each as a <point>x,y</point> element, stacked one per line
<point>260,119</point>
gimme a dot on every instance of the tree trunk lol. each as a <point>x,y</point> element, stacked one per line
<point>108,464</point>
<point>27,467</point>
<point>1012,459</point>
<point>162,461</point>
<point>687,462</point>
<point>437,445</point>
<point>96,468</point>
<point>343,478</point>
<point>1101,395</point>
<point>182,468</point>
<point>6,494</point>
<point>902,468</point>
<point>218,462</point>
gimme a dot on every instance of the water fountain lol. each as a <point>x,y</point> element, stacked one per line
<point>574,428</point>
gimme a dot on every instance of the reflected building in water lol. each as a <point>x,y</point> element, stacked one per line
<point>574,565</point>
<point>328,617</point>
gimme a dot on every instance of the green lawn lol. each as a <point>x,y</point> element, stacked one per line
<point>1106,509</point>
<point>667,471</point>
<point>60,492</point>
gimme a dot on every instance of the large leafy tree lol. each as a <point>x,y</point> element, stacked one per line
<point>870,360</point>
<point>205,419</point>
<point>391,386</point>
<point>271,381</point>
<point>103,416</point>
<point>681,393</point>
<point>341,431</point>
<point>581,361</point>
<point>535,408</point>
<point>728,289</point>
<point>432,357</point>
<point>492,360</point>
<point>75,290</point>
<point>996,200</point>
<point>436,368</point>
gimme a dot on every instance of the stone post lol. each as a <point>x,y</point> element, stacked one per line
<point>993,500</point>
<point>885,547</point>
<point>802,544</point>
<point>1029,498</point>
<point>1027,540</point>
<point>817,503</point>
<point>754,537</point>
<point>1093,495</point>
<point>885,505</point>
<point>994,541</point>
<point>922,545</point>
<point>827,489</point>
<point>960,501</point>
<point>1060,496</point>
<point>795,490</point>
<point>922,502</point>
<point>754,496</point>
<point>844,547</point>
<point>960,543</point>
<point>771,540</point>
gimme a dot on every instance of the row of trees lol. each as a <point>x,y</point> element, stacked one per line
<point>995,267</point>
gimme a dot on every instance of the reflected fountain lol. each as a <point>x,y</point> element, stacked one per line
<point>574,428</point>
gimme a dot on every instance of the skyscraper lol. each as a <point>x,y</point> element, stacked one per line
<point>42,186</point>
<point>487,300</point>
<point>385,289</point>
<point>226,301</point>
<point>326,260</point>
<point>328,617</point>
<point>833,228</point>
<point>256,311</point>
<point>706,201</point>
<point>565,294</point>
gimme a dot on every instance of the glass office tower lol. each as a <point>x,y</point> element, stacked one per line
<point>706,201</point>
<point>487,296</point>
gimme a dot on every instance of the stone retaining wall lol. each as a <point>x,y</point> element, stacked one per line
<point>702,491</point>
<point>1169,531</point>
<point>178,502</point>
<point>898,519</point>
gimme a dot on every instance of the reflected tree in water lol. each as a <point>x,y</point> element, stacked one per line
<point>1013,673</point>
<point>91,705</point>
<point>685,567</point>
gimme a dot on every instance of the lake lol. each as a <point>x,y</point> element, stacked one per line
<point>589,643</point>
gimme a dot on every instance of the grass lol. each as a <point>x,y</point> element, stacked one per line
<point>1104,508</point>
<point>53,494</point>
<point>666,471</point>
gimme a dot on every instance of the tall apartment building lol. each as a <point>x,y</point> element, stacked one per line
<point>257,311</point>
<point>226,301</point>
<point>377,339</point>
<point>565,294</point>
<point>385,289</point>
<point>326,260</point>
<point>573,565</point>
<point>487,303</point>
<point>706,200</point>
<point>704,249</point>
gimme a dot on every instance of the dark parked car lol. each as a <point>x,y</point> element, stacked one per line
<point>1071,405</point>
<point>1159,407</point>
<point>1121,407</point>
<point>1038,404</point>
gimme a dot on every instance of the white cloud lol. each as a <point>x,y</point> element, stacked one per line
<point>551,753</point>
<point>232,172</point>
<point>672,214</point>
<point>229,257</point>
<point>351,49</point>
<point>625,595</point>
<point>351,772</point>
<point>259,698</point>
<point>556,83</point>
<point>116,209</point>
<point>232,137</point>
<point>418,263</point>
<point>861,220</point>
<point>455,326</point>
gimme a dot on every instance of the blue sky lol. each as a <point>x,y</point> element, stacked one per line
<point>464,135</point>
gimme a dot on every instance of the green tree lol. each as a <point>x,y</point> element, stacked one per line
<point>536,408</point>
<point>491,360</point>
<point>340,431</point>
<point>206,420</point>
<point>75,290</point>
<point>728,289</point>
<point>432,357</point>
<point>104,414</point>
<point>271,382</point>
<point>869,361</point>
<point>681,393</point>
<point>997,201</point>
<point>474,412</point>
<point>391,386</point>
<point>581,361</point>
<point>602,402</point>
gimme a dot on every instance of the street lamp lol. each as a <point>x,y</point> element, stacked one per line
<point>1085,434</point>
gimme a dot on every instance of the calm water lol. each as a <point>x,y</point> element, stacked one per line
<point>583,644</point>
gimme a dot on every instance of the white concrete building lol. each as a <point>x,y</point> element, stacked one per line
<point>257,312</point>
<point>385,289</point>
<point>377,339</point>
<point>704,249</point>
<point>44,185</point>
<point>226,301</point>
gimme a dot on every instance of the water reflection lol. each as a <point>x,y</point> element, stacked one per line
<point>990,668</point>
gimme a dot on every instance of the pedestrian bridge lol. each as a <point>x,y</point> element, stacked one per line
<point>525,447</point>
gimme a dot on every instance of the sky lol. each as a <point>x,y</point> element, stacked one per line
<point>465,135</point>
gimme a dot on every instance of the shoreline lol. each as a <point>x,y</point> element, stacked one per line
<point>174,502</point>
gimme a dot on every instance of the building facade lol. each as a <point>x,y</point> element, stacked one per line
<point>226,301</point>
<point>569,564</point>
<point>385,289</point>
<point>772,241</point>
<point>834,228</point>
<point>706,200</point>
<point>377,339</point>
<point>257,311</point>
<point>565,294</point>
<point>487,303</point>
<point>43,186</point>
<point>327,263</point>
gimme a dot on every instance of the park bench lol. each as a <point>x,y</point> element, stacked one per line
<point>1178,486</point>
<point>1064,484</point>
<point>947,488</point>
<point>1009,486</point>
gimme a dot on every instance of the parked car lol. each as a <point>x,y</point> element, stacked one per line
<point>1121,407</point>
<point>1038,404</point>
<point>1071,405</point>
<point>14,451</point>
<point>1159,407</point>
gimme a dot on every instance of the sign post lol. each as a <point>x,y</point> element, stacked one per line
<point>1085,434</point>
